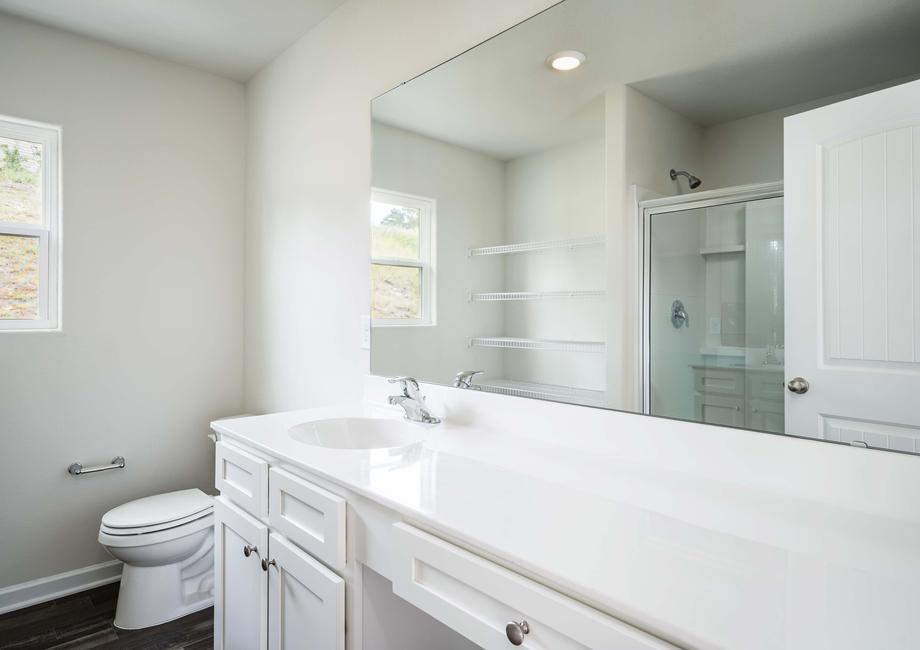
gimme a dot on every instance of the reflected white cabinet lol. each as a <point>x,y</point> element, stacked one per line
<point>739,397</point>
<point>241,590</point>
<point>269,593</point>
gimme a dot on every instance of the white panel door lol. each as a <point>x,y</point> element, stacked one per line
<point>241,594</point>
<point>306,601</point>
<point>852,222</point>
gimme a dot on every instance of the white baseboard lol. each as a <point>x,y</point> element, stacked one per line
<point>63,584</point>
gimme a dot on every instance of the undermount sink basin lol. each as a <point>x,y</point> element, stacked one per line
<point>357,433</point>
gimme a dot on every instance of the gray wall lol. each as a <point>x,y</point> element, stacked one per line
<point>152,292</point>
<point>468,188</point>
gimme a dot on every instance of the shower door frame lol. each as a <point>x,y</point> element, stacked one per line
<point>681,202</point>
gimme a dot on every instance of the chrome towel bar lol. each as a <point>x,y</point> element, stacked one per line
<point>117,463</point>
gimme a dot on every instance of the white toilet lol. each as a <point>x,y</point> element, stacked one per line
<point>166,542</point>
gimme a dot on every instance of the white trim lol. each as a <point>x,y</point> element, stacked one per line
<point>639,196</point>
<point>62,584</point>
<point>739,193</point>
<point>427,208</point>
<point>49,231</point>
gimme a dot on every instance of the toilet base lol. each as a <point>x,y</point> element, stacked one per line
<point>151,595</point>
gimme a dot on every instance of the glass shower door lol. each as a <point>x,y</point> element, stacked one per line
<point>714,313</point>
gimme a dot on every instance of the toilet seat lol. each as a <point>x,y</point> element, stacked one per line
<point>154,528</point>
<point>123,538</point>
<point>159,509</point>
<point>157,518</point>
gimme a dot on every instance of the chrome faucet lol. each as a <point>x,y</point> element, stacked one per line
<point>412,401</point>
<point>464,379</point>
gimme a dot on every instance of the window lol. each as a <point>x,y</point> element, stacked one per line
<point>29,225</point>
<point>402,259</point>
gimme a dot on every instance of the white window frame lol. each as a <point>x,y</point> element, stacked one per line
<point>427,208</point>
<point>48,231</point>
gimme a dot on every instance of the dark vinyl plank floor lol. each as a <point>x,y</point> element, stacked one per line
<point>84,621</point>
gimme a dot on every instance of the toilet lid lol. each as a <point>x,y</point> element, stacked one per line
<point>157,509</point>
<point>154,528</point>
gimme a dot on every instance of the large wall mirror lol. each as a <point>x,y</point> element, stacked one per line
<point>705,210</point>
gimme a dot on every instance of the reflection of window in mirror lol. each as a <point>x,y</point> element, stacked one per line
<point>402,259</point>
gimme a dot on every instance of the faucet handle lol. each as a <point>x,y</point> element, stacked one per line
<point>408,384</point>
<point>464,378</point>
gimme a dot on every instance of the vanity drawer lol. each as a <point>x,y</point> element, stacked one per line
<point>719,381</point>
<point>767,385</point>
<point>478,598</point>
<point>242,478</point>
<point>311,517</point>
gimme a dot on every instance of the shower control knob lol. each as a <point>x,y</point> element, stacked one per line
<point>798,385</point>
<point>516,632</point>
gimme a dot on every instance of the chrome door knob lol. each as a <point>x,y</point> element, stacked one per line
<point>798,385</point>
<point>516,632</point>
<point>249,549</point>
<point>267,563</point>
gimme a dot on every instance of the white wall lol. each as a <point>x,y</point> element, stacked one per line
<point>644,141</point>
<point>152,302</point>
<point>308,180</point>
<point>658,140</point>
<point>750,149</point>
<point>469,190</point>
<point>556,194</point>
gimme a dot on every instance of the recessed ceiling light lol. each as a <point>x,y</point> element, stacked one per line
<point>565,60</point>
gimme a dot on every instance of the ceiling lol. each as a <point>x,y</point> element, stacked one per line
<point>711,60</point>
<point>232,38</point>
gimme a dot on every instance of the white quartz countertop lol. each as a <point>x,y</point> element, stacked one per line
<point>700,563</point>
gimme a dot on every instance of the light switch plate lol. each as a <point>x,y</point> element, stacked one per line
<point>365,332</point>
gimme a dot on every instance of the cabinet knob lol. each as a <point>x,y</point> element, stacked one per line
<point>798,385</point>
<point>516,632</point>
<point>267,563</point>
<point>249,549</point>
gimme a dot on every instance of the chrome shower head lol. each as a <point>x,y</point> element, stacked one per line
<point>694,181</point>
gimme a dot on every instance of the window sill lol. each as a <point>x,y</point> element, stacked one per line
<point>31,330</point>
<point>391,324</point>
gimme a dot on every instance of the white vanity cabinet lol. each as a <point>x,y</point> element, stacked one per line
<point>498,608</point>
<point>269,592</point>
<point>241,589</point>
<point>281,576</point>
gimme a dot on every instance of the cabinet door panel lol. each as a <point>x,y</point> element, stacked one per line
<point>306,601</point>
<point>767,415</point>
<point>241,590</point>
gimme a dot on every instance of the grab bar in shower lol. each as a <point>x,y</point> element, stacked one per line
<point>77,469</point>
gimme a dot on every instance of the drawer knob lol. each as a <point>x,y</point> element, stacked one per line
<point>516,631</point>
<point>249,549</point>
